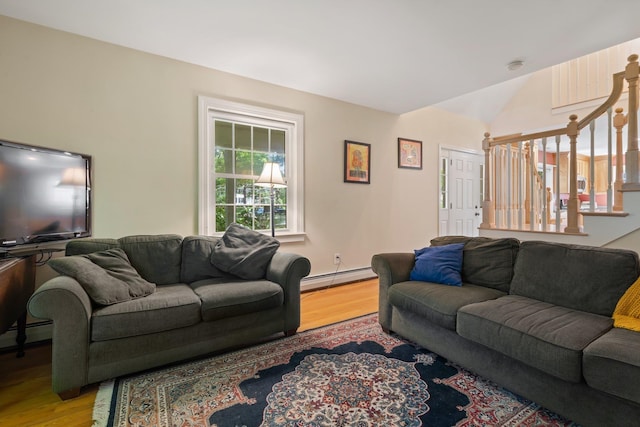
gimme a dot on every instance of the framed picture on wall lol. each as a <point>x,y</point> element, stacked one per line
<point>357,162</point>
<point>409,153</point>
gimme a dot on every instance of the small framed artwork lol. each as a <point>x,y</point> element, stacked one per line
<point>409,153</point>
<point>357,162</point>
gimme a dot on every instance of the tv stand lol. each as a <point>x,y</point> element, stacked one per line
<point>17,284</point>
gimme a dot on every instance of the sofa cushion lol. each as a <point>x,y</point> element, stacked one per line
<point>584,278</point>
<point>157,258</point>
<point>440,264</point>
<point>170,307</point>
<point>106,276</point>
<point>546,336</point>
<point>243,252</point>
<point>612,364</point>
<point>436,303</point>
<point>222,298</point>
<point>196,259</point>
<point>486,262</point>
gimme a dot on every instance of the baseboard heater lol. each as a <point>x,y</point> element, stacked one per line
<point>39,331</point>
<point>337,278</point>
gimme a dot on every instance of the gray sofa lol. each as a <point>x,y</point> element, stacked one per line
<point>194,310</point>
<point>534,317</point>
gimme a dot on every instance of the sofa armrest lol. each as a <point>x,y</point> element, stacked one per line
<point>391,268</point>
<point>64,301</point>
<point>287,269</point>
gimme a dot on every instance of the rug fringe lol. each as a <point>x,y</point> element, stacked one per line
<point>102,404</point>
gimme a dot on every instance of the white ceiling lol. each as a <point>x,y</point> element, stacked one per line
<point>390,55</point>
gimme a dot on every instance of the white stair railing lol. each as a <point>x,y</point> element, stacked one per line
<point>516,194</point>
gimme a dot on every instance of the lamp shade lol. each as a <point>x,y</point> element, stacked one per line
<point>271,176</point>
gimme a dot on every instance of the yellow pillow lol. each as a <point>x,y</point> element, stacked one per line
<point>627,312</point>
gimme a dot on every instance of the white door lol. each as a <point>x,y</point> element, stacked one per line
<point>462,213</point>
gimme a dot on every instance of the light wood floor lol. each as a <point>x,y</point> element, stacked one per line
<point>26,398</point>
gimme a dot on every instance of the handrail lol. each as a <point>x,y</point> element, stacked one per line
<point>528,136</point>
<point>616,91</point>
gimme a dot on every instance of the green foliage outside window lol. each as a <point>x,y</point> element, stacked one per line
<point>237,166</point>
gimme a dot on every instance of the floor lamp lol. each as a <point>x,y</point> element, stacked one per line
<point>272,178</point>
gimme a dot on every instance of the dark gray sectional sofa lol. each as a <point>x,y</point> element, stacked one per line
<point>534,317</point>
<point>195,309</point>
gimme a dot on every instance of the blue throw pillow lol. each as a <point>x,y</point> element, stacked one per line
<point>439,264</point>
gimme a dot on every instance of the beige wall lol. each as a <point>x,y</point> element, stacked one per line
<point>136,114</point>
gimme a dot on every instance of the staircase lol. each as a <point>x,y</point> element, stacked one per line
<point>593,199</point>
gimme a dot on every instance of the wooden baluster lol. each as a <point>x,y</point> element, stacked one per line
<point>609,161</point>
<point>547,205</point>
<point>533,170</point>
<point>488,209</point>
<point>631,75</point>
<point>572,206</point>
<point>509,189</point>
<point>546,199</point>
<point>619,120</point>
<point>528,186</point>
<point>592,167</point>
<point>520,188</point>
<point>558,201</point>
<point>497,185</point>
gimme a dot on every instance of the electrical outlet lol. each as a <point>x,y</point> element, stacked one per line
<point>336,258</point>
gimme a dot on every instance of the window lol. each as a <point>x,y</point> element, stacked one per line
<point>235,141</point>
<point>444,184</point>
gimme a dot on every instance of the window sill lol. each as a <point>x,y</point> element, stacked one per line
<point>282,237</point>
<point>290,237</point>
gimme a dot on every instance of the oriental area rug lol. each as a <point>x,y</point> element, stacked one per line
<point>346,374</point>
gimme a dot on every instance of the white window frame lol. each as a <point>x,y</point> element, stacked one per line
<point>211,109</point>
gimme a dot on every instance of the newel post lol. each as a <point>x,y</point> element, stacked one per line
<point>572,206</point>
<point>631,75</point>
<point>488,209</point>
<point>619,120</point>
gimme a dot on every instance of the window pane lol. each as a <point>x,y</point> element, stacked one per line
<point>262,195</point>
<point>263,218</point>
<point>280,216</point>
<point>259,159</point>
<point>244,216</point>
<point>223,134</point>
<point>277,141</point>
<point>280,196</point>
<point>224,161</point>
<point>261,139</point>
<point>243,162</point>
<point>243,137</point>
<point>224,217</point>
<point>244,191</point>
<point>224,191</point>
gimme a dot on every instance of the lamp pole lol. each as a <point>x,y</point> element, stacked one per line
<point>272,178</point>
<point>273,225</point>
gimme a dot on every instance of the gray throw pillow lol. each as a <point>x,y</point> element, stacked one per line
<point>106,276</point>
<point>243,252</point>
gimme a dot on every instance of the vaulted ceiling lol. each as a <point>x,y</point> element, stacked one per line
<point>394,56</point>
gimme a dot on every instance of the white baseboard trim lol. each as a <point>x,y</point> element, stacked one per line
<point>40,331</point>
<point>331,279</point>
<point>43,330</point>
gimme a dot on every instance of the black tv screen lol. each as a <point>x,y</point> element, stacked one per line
<point>45,194</point>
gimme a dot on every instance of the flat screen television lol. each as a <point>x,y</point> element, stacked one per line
<point>45,195</point>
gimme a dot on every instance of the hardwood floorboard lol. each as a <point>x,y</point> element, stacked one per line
<point>26,398</point>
